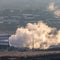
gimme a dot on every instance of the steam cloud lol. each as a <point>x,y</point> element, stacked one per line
<point>39,35</point>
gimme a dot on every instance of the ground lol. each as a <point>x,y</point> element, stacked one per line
<point>53,55</point>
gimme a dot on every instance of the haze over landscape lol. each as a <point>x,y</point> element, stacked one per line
<point>38,15</point>
<point>29,29</point>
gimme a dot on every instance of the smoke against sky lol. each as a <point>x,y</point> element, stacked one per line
<point>54,9</point>
<point>51,7</point>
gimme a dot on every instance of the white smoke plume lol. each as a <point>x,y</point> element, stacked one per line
<point>51,6</point>
<point>54,9</point>
<point>57,13</point>
<point>39,35</point>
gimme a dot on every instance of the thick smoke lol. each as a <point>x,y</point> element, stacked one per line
<point>37,35</point>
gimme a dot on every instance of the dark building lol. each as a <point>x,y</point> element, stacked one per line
<point>4,42</point>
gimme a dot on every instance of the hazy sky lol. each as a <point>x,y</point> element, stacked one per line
<point>24,3</point>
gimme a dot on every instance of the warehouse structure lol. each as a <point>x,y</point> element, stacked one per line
<point>4,42</point>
